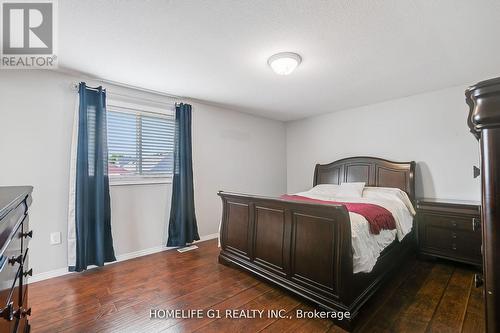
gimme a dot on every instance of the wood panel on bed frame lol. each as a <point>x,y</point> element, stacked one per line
<point>306,247</point>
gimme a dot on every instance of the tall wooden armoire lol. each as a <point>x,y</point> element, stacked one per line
<point>484,122</point>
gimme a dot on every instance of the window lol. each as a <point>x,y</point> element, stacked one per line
<point>140,145</point>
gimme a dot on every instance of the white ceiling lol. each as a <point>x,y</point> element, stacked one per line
<point>354,52</point>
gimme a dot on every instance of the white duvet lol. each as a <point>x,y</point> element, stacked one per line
<point>365,245</point>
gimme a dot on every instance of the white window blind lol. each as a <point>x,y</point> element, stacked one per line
<point>140,144</point>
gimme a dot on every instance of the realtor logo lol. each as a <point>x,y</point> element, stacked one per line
<point>28,31</point>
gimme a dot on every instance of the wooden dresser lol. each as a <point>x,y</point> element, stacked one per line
<point>450,229</point>
<point>14,266</point>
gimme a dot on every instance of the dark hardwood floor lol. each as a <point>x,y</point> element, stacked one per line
<point>422,297</point>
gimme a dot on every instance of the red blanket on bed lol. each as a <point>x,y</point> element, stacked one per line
<point>378,217</point>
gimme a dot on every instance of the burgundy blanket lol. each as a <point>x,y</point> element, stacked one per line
<point>378,217</point>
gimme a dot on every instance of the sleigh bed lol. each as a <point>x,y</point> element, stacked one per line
<point>306,247</point>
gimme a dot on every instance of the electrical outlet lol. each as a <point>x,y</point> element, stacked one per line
<point>55,238</point>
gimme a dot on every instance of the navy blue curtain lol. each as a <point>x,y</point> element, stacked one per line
<point>94,242</point>
<point>182,228</point>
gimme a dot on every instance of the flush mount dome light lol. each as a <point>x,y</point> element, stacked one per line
<point>284,63</point>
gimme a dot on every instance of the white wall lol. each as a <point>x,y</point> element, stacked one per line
<point>231,151</point>
<point>234,152</point>
<point>430,129</point>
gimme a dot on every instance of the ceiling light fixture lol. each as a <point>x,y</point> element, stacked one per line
<point>284,63</point>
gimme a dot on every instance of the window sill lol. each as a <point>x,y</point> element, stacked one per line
<point>139,181</point>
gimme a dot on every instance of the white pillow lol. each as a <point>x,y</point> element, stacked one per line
<point>351,190</point>
<point>389,193</point>
<point>325,189</point>
<point>333,191</point>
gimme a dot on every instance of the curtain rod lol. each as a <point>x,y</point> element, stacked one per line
<point>86,76</point>
<point>75,87</point>
<point>131,87</point>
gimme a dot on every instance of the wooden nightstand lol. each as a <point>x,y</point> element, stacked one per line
<point>450,229</point>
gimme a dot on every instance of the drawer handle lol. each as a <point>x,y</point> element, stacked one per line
<point>478,280</point>
<point>454,224</point>
<point>454,246</point>
<point>22,313</point>
<point>7,313</point>
<point>28,234</point>
<point>30,273</point>
<point>476,224</point>
<point>454,235</point>
<point>18,259</point>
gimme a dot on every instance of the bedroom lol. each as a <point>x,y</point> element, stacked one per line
<point>200,136</point>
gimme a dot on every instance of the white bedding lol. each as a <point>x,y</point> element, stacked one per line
<point>365,245</point>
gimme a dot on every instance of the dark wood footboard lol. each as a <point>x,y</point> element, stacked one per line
<point>305,248</point>
<point>302,247</point>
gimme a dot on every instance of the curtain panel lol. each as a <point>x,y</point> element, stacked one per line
<point>182,228</point>
<point>90,240</point>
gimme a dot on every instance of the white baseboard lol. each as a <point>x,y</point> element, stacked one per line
<point>48,275</point>
<point>121,257</point>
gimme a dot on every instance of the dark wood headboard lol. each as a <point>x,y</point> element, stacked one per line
<point>371,170</point>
